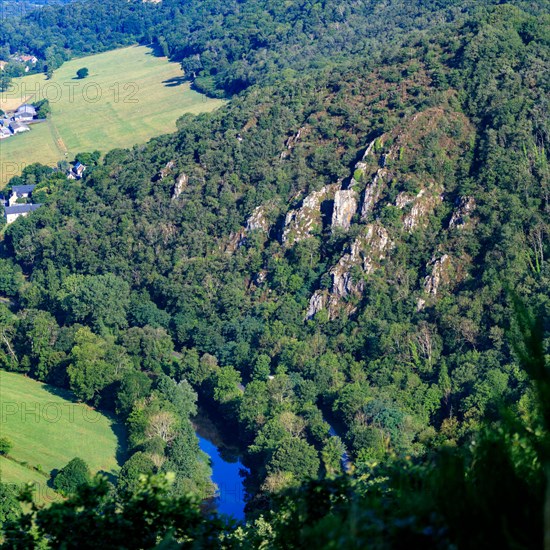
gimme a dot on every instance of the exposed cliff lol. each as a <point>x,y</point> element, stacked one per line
<point>307,219</point>
<point>345,207</point>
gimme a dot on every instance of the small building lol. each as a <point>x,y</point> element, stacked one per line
<point>22,117</point>
<point>27,59</point>
<point>14,212</point>
<point>77,171</point>
<point>25,112</point>
<point>20,192</point>
<point>27,108</point>
<point>18,127</point>
<point>4,132</point>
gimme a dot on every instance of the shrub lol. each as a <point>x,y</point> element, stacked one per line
<point>70,477</point>
<point>5,445</point>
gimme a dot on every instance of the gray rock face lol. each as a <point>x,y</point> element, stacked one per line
<point>422,205</point>
<point>345,206</point>
<point>301,223</point>
<point>342,284</point>
<point>181,184</point>
<point>167,169</point>
<point>466,205</point>
<point>365,252</point>
<point>403,199</point>
<point>372,194</point>
<point>317,303</point>
<point>362,165</point>
<point>439,274</point>
<point>258,220</point>
<point>291,142</point>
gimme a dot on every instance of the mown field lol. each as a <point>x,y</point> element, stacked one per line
<point>47,429</point>
<point>129,97</point>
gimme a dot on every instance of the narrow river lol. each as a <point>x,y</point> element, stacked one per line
<point>225,473</point>
<point>226,467</point>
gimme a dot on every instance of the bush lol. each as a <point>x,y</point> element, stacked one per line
<point>5,445</point>
<point>69,478</point>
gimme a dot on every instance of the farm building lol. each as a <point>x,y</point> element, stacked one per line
<point>18,127</point>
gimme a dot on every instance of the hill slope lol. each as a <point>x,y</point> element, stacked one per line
<point>332,248</point>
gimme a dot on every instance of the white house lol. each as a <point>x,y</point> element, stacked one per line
<point>20,192</point>
<point>25,113</point>
<point>77,171</point>
<point>14,212</point>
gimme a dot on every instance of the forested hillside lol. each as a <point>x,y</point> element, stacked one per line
<point>20,8</point>
<point>346,242</point>
<point>224,47</point>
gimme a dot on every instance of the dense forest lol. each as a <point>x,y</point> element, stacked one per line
<point>346,243</point>
<point>20,8</point>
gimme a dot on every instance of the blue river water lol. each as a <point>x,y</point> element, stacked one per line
<point>225,474</point>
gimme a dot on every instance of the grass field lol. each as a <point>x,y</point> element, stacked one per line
<point>47,429</point>
<point>129,97</point>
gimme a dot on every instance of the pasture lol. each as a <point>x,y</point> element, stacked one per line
<point>47,429</point>
<point>129,97</point>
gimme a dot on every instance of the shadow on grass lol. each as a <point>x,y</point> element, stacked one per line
<point>53,473</point>
<point>175,81</point>
<point>155,50</point>
<point>116,425</point>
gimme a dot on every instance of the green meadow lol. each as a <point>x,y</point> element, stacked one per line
<point>129,97</point>
<point>47,428</point>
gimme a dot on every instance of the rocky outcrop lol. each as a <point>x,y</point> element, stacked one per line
<point>372,194</point>
<point>439,274</point>
<point>181,184</point>
<point>303,222</point>
<point>465,207</point>
<point>260,277</point>
<point>403,199</point>
<point>422,205</point>
<point>364,253</point>
<point>345,206</point>
<point>317,303</point>
<point>362,165</point>
<point>291,142</point>
<point>166,170</point>
<point>258,221</point>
